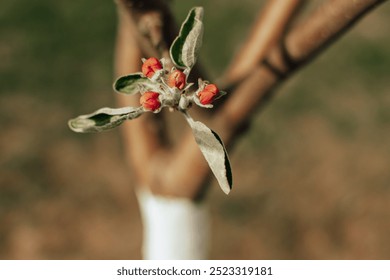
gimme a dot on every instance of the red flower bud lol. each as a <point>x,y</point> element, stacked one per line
<point>212,88</point>
<point>149,100</point>
<point>151,66</point>
<point>206,96</point>
<point>177,79</point>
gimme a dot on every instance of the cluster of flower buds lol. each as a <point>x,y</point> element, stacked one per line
<point>162,87</point>
<point>170,88</point>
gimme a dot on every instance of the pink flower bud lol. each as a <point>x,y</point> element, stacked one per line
<point>177,79</point>
<point>151,66</point>
<point>206,96</point>
<point>149,100</point>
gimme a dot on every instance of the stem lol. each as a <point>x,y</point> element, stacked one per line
<point>187,116</point>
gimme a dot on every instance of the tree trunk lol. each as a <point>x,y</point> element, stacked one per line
<point>173,228</point>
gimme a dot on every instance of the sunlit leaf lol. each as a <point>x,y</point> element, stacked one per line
<point>185,48</point>
<point>214,152</point>
<point>131,84</point>
<point>104,119</point>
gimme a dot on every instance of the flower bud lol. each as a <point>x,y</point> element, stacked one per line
<point>149,100</point>
<point>206,96</point>
<point>176,79</point>
<point>151,66</point>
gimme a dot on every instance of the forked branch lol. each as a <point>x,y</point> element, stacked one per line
<point>297,47</point>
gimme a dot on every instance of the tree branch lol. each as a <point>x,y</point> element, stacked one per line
<point>141,136</point>
<point>304,42</point>
<point>268,29</point>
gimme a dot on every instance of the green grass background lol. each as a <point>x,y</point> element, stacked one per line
<point>312,176</point>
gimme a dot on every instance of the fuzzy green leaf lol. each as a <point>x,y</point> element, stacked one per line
<point>185,48</point>
<point>214,152</point>
<point>103,119</point>
<point>132,83</point>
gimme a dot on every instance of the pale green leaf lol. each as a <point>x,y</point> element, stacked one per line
<point>214,152</point>
<point>185,48</point>
<point>131,84</point>
<point>104,119</point>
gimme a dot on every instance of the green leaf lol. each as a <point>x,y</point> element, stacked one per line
<point>103,119</point>
<point>132,83</point>
<point>185,48</point>
<point>214,152</point>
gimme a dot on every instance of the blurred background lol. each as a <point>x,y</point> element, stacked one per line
<point>312,176</point>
